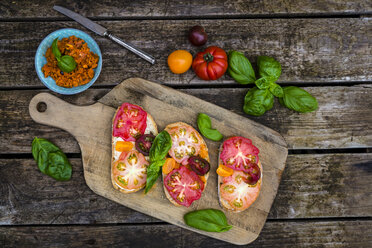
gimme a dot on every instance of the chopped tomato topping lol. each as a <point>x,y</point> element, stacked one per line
<point>124,146</point>
<point>237,192</point>
<point>130,122</point>
<point>184,186</point>
<point>169,165</point>
<point>239,153</point>
<point>185,143</point>
<point>224,171</point>
<point>130,171</point>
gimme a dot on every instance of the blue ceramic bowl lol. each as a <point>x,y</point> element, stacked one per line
<point>40,60</point>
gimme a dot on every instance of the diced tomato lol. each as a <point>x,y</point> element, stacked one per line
<point>186,142</point>
<point>239,153</point>
<point>184,186</point>
<point>169,165</point>
<point>130,122</point>
<point>224,171</point>
<point>123,146</point>
<point>237,193</point>
<point>130,171</point>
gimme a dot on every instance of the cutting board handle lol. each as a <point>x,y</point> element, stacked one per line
<point>48,109</point>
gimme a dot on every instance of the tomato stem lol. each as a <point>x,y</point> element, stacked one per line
<point>208,57</point>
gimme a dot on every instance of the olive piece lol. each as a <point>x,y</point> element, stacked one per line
<point>144,143</point>
<point>199,165</point>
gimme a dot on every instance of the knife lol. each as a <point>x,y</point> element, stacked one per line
<point>102,31</point>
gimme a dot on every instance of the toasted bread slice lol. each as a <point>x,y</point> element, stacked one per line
<point>203,150</point>
<point>224,204</point>
<point>150,128</point>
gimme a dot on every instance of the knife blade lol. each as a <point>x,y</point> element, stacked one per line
<point>102,31</point>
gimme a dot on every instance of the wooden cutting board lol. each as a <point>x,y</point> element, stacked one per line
<point>91,126</point>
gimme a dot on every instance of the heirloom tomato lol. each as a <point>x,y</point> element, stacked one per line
<point>184,186</point>
<point>130,122</point>
<point>210,64</point>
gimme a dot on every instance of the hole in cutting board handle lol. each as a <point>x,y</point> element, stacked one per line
<point>41,107</point>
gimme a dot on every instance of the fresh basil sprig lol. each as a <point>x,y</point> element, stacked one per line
<point>205,127</point>
<point>269,68</point>
<point>210,220</point>
<point>258,101</point>
<point>66,63</point>
<point>240,69</point>
<point>51,160</point>
<point>261,98</point>
<point>159,149</point>
<point>298,99</point>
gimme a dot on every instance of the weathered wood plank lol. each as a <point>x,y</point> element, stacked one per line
<point>343,120</point>
<point>335,234</point>
<point>310,50</point>
<point>193,8</point>
<point>327,185</point>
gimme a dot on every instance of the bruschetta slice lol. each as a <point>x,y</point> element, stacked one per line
<point>186,170</point>
<point>239,174</point>
<point>133,131</point>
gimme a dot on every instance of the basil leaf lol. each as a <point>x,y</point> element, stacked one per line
<point>153,172</point>
<point>55,49</point>
<point>240,69</point>
<point>276,90</point>
<point>210,220</point>
<point>205,127</point>
<point>268,67</point>
<point>51,160</point>
<point>160,147</point>
<point>67,63</point>
<point>298,99</point>
<point>257,102</point>
<point>59,168</point>
<point>262,83</point>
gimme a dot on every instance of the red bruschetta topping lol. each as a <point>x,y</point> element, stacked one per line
<point>130,122</point>
<point>239,153</point>
<point>184,186</point>
<point>185,143</point>
<point>129,171</point>
<point>236,192</point>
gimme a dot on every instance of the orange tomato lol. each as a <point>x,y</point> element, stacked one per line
<point>203,152</point>
<point>169,165</point>
<point>123,146</point>
<point>179,61</point>
<point>224,171</point>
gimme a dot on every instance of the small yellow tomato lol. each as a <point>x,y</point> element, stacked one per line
<point>179,61</point>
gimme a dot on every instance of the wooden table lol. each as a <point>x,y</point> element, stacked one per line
<point>325,197</point>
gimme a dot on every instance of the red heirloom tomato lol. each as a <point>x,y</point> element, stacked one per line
<point>130,171</point>
<point>184,186</point>
<point>185,143</point>
<point>210,64</point>
<point>237,192</point>
<point>130,122</point>
<point>240,154</point>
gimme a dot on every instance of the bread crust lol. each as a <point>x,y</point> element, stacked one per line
<point>224,204</point>
<point>203,147</point>
<point>114,184</point>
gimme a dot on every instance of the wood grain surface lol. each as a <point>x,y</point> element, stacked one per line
<point>309,50</point>
<point>182,9</point>
<point>325,234</point>
<point>324,199</point>
<point>91,126</point>
<point>343,120</point>
<point>312,186</point>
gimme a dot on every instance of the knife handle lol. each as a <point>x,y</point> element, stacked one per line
<point>132,48</point>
